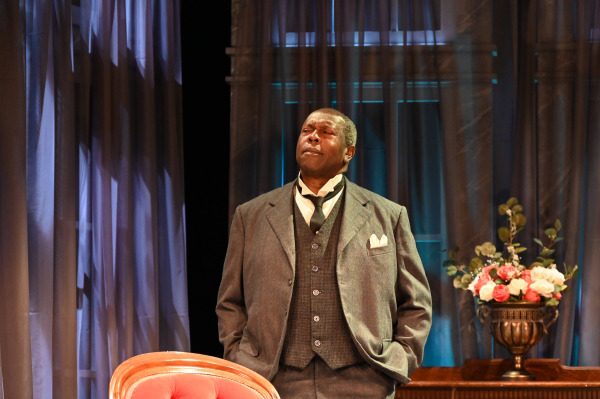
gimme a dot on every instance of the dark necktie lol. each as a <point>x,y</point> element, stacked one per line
<point>318,217</point>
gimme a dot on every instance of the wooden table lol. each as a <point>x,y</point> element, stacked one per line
<point>481,379</point>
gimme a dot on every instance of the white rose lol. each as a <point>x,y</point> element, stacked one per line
<point>552,275</point>
<point>516,286</point>
<point>471,286</point>
<point>486,293</point>
<point>555,277</point>
<point>543,287</point>
<point>538,273</point>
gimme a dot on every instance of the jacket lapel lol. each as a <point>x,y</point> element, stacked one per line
<point>281,218</point>
<point>355,213</point>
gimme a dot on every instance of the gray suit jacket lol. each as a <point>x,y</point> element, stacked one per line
<point>384,292</point>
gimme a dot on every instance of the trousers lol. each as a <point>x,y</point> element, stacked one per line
<point>318,381</point>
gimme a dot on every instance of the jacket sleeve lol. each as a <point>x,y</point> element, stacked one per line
<point>413,295</point>
<point>231,308</point>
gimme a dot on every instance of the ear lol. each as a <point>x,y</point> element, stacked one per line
<point>349,153</point>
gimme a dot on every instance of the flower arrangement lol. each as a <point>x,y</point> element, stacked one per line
<point>495,276</point>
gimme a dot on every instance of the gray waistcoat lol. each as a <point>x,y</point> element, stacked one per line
<point>316,323</point>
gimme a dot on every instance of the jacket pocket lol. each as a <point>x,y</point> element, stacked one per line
<point>380,250</point>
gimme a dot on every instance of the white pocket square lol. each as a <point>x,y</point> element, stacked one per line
<point>375,242</point>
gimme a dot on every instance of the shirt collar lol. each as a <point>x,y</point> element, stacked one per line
<point>328,187</point>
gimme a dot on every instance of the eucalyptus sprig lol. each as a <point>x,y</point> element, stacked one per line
<point>545,258</point>
<point>516,222</point>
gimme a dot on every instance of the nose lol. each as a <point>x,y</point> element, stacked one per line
<point>313,136</point>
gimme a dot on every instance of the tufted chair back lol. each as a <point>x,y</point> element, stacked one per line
<point>182,375</point>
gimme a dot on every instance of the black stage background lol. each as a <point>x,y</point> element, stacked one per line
<point>205,35</point>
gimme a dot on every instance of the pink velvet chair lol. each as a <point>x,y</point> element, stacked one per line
<point>182,375</point>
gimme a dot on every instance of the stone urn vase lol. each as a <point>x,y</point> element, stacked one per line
<point>517,326</point>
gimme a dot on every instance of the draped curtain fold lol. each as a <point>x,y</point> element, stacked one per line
<point>459,105</point>
<point>92,227</point>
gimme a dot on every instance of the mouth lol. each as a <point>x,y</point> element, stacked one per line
<point>311,151</point>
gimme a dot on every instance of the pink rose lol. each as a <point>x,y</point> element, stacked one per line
<point>507,272</point>
<point>531,296</point>
<point>481,281</point>
<point>557,296</point>
<point>501,293</point>
<point>526,275</point>
<point>486,271</point>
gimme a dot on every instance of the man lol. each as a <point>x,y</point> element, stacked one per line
<point>331,304</point>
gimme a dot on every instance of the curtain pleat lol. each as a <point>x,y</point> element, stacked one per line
<point>52,212</point>
<point>92,227</point>
<point>15,345</point>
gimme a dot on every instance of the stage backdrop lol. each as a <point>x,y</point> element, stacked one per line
<point>459,105</point>
<point>92,232</point>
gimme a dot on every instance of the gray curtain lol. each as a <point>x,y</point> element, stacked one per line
<point>459,105</point>
<point>92,227</point>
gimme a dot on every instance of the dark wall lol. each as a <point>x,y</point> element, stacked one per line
<point>205,34</point>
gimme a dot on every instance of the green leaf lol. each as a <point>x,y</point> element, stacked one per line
<point>546,252</point>
<point>550,232</point>
<point>486,249</point>
<point>493,273</point>
<point>534,264</point>
<point>551,302</point>
<point>517,209</point>
<point>466,279</point>
<point>570,272</point>
<point>548,262</point>
<point>475,265</point>
<point>520,249</point>
<point>519,219</point>
<point>557,288</point>
<point>557,225</point>
<point>557,239</point>
<point>512,201</point>
<point>503,234</point>
<point>502,209</point>
<point>457,282</point>
<point>539,242</point>
<point>451,270</point>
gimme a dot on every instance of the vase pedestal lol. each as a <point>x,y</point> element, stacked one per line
<point>517,326</point>
<point>518,372</point>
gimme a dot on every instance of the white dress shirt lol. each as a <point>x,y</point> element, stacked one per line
<point>307,207</point>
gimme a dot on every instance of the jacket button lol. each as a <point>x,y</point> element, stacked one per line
<point>317,342</point>
<point>314,245</point>
<point>316,292</point>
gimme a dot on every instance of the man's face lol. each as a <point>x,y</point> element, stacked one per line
<point>321,151</point>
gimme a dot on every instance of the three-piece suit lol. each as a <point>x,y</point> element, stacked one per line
<point>383,291</point>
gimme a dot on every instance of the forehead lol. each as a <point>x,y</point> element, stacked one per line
<point>324,118</point>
